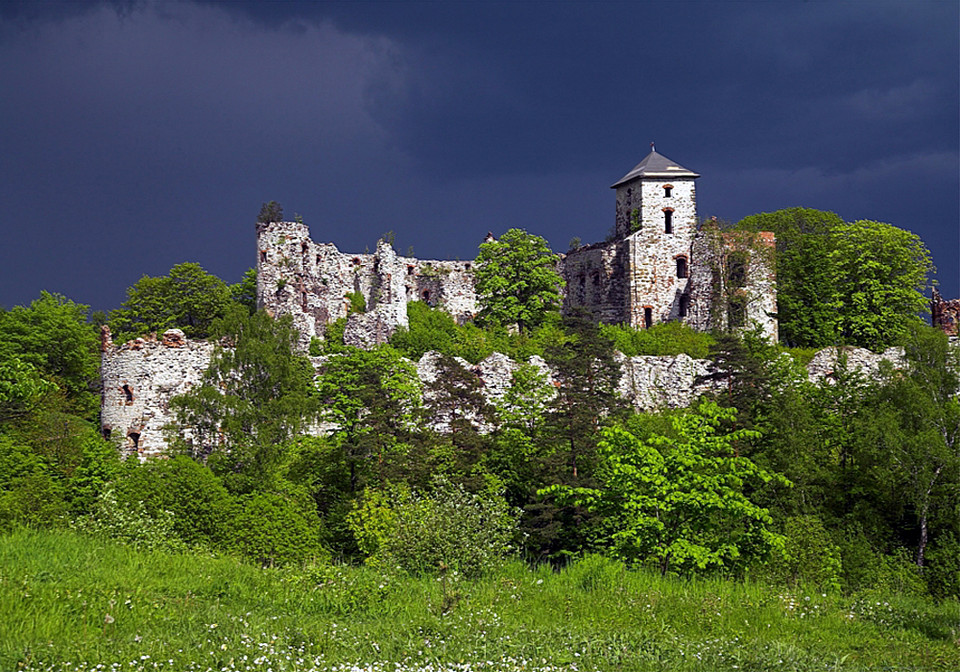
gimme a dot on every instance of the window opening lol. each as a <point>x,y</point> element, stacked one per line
<point>127,393</point>
<point>667,192</point>
<point>737,311</point>
<point>668,221</point>
<point>263,256</point>
<point>684,305</point>
<point>426,296</point>
<point>134,440</point>
<point>682,267</point>
<point>737,270</point>
<point>647,317</point>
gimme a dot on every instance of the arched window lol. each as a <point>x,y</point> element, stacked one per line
<point>668,221</point>
<point>667,190</point>
<point>647,317</point>
<point>682,270</point>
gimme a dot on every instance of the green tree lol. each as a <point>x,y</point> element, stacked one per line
<point>53,336</point>
<point>680,500</point>
<point>517,280</point>
<point>587,375</point>
<point>919,416</point>
<point>373,398</point>
<point>270,212</point>
<point>188,298</point>
<point>881,273</point>
<point>22,388</point>
<point>806,283</point>
<point>245,291</point>
<point>255,396</point>
<point>838,283</point>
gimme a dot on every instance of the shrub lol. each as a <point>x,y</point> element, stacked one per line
<point>663,339</point>
<point>358,304</point>
<point>270,529</point>
<point>190,491</point>
<point>130,524</point>
<point>448,528</point>
<point>270,212</point>
<point>29,493</point>
<point>810,558</point>
<point>943,567</point>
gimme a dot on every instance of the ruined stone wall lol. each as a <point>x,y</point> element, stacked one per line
<point>139,379</point>
<point>945,315</point>
<point>311,281</point>
<point>733,281</point>
<point>595,281</point>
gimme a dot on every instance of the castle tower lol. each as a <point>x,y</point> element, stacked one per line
<point>656,219</point>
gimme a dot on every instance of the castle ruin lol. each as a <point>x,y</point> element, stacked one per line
<point>658,266</point>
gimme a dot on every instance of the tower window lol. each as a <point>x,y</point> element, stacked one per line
<point>647,317</point>
<point>682,270</point>
<point>667,191</point>
<point>263,256</point>
<point>668,221</point>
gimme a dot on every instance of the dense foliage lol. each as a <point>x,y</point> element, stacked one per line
<point>845,487</point>
<point>188,298</point>
<point>838,283</point>
<point>517,281</point>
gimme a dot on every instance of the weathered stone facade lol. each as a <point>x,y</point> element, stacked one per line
<point>314,282</point>
<point>659,266</point>
<point>945,315</point>
<point>139,379</point>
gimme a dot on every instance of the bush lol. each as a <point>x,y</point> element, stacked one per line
<point>663,339</point>
<point>131,524</point>
<point>190,491</point>
<point>271,530</point>
<point>30,495</point>
<point>943,567</point>
<point>810,558</point>
<point>448,528</point>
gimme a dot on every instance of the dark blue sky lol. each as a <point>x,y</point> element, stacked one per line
<point>137,135</point>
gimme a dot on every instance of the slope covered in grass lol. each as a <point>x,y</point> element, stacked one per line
<point>69,602</point>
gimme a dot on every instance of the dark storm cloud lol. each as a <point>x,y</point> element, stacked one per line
<point>145,134</point>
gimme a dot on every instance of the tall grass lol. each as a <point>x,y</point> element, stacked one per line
<point>68,602</point>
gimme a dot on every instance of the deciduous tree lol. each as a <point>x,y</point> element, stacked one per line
<point>517,280</point>
<point>679,499</point>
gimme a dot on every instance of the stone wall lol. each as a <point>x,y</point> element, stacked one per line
<point>733,281</point>
<point>139,379</point>
<point>595,281</point>
<point>945,315</point>
<point>312,282</point>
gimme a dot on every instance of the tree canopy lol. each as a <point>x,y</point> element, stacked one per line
<point>187,298</point>
<point>837,283</point>
<point>517,280</point>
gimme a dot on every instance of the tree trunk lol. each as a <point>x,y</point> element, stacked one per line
<point>922,546</point>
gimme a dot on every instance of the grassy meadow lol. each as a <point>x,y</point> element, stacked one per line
<point>71,602</point>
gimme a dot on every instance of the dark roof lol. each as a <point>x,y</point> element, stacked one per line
<point>655,165</point>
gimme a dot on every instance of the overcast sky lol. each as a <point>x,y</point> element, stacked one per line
<point>138,135</point>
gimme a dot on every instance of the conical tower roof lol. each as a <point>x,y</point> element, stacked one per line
<point>655,165</point>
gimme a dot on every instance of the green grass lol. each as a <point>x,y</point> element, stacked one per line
<point>69,602</point>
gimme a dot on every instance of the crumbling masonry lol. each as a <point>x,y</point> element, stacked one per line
<point>658,266</point>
